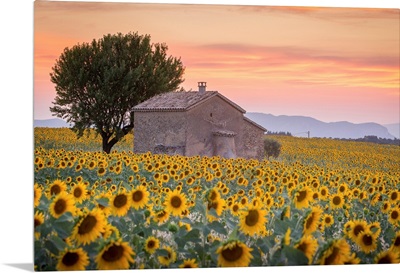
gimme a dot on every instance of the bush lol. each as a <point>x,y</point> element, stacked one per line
<point>271,148</point>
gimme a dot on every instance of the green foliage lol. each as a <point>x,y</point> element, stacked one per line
<point>271,147</point>
<point>98,83</point>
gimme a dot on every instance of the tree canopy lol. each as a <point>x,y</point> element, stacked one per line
<point>97,84</point>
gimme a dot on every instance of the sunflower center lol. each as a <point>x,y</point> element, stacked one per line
<point>120,200</point>
<point>60,206</point>
<point>331,258</point>
<point>78,192</point>
<point>232,254</point>
<point>55,189</point>
<point>367,240</point>
<point>301,196</point>
<point>113,253</point>
<point>336,200</point>
<point>213,195</point>
<point>137,196</point>
<point>37,223</point>
<point>393,196</point>
<point>385,260</point>
<point>87,224</point>
<point>327,220</point>
<point>394,215</point>
<point>252,217</point>
<point>397,241</point>
<point>70,258</point>
<point>235,208</point>
<point>213,205</point>
<point>176,202</point>
<point>358,229</point>
<point>310,221</point>
<point>151,244</point>
<point>302,247</point>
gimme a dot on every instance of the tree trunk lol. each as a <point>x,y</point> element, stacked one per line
<point>107,145</point>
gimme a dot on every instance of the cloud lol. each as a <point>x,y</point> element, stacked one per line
<point>295,65</point>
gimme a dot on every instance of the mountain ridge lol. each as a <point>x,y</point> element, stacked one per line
<point>302,126</point>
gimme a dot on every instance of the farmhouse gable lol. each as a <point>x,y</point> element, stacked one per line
<point>204,123</point>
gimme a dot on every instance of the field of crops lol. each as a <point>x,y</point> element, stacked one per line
<point>320,202</point>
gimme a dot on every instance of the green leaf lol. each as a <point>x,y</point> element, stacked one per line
<point>161,252</point>
<point>193,236</point>
<point>218,227</point>
<point>103,201</point>
<point>294,256</point>
<point>64,225</point>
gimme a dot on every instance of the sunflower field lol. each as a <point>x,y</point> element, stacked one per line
<point>321,202</point>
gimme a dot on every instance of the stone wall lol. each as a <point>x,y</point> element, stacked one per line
<point>159,129</point>
<point>252,145</point>
<point>210,116</point>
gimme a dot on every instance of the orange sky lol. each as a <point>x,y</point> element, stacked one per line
<point>332,64</point>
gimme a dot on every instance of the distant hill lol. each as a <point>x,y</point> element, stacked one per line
<point>394,129</point>
<point>300,125</point>
<point>51,123</point>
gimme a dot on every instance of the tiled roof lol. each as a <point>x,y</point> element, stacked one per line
<point>179,101</point>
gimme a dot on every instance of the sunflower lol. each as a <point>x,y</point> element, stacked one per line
<point>354,228</point>
<point>375,227</point>
<point>161,216</point>
<point>120,204</point>
<point>394,196</point>
<point>110,230</point>
<point>336,201</point>
<point>312,221</point>
<point>252,220</point>
<point>327,220</point>
<point>72,259</point>
<point>151,244</point>
<point>218,205</point>
<point>396,242</point>
<point>175,202</point>
<point>234,254</point>
<point>38,219</point>
<point>140,197</point>
<point>189,263</point>
<point>170,258</point>
<point>337,253</point>
<point>235,209</point>
<point>56,188</point>
<point>366,240</point>
<point>213,195</point>
<point>116,255</point>
<point>79,192</point>
<point>63,202</point>
<point>302,197</point>
<point>394,216</point>
<point>308,245</point>
<point>286,238</point>
<point>353,259</point>
<point>90,227</point>
<point>37,194</point>
<point>106,209</point>
<point>387,257</point>
<point>101,171</point>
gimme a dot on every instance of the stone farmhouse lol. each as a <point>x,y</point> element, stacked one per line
<point>192,123</point>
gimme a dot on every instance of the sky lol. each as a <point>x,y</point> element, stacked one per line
<point>332,64</point>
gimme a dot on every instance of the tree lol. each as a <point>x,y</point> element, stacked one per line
<point>271,148</point>
<point>97,84</point>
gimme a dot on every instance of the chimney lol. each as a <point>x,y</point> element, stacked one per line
<point>202,87</point>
